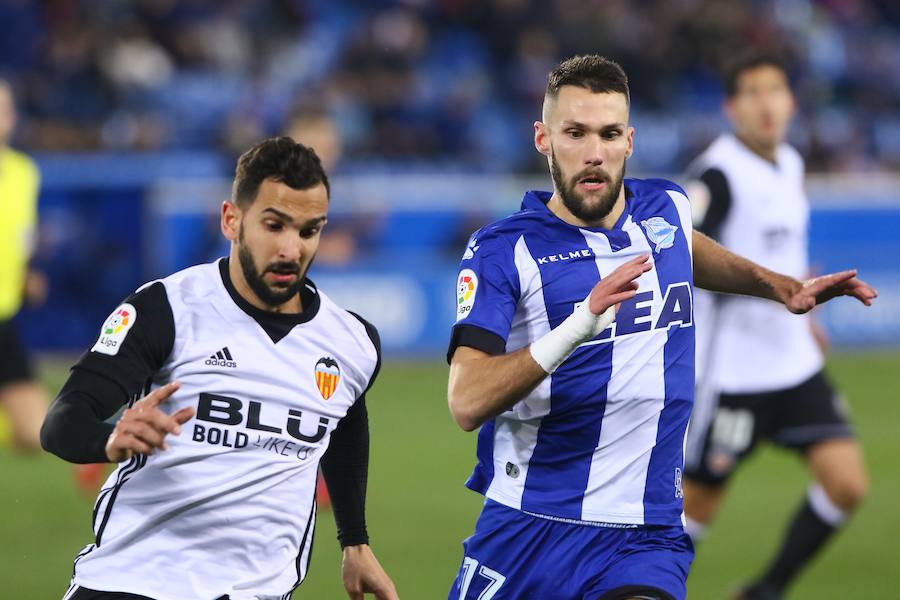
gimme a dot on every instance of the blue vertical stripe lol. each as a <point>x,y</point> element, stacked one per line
<point>673,265</point>
<point>483,474</point>
<point>561,462</point>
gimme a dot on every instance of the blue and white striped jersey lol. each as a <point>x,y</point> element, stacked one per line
<point>602,438</point>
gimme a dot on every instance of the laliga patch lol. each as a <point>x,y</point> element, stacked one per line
<point>114,330</point>
<point>660,232</point>
<point>466,286</point>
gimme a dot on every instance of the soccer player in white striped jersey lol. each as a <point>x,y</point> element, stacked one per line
<point>573,352</point>
<point>255,377</point>
<point>763,383</point>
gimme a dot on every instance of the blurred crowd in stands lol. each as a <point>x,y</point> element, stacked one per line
<point>446,84</point>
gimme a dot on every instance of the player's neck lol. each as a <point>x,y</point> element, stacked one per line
<point>292,306</point>
<point>558,208</point>
<point>767,152</point>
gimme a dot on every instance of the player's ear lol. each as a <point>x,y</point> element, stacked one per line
<point>231,220</point>
<point>630,149</point>
<point>542,138</point>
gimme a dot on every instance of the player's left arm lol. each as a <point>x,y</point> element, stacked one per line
<point>345,467</point>
<point>719,270</point>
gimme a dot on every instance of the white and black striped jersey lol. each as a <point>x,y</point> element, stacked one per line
<point>228,509</point>
<point>759,210</point>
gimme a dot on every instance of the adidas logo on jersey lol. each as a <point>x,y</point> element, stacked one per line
<point>222,358</point>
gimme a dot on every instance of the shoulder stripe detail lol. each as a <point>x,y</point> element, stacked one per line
<point>372,332</point>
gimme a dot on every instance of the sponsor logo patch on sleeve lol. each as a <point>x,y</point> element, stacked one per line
<point>466,286</point>
<point>114,330</point>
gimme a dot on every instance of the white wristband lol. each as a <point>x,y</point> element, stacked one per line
<point>554,348</point>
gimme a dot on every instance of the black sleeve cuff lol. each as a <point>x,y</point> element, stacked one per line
<point>475,337</point>
<point>353,537</point>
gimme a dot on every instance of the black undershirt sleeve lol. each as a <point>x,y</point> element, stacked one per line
<point>719,203</point>
<point>75,427</point>
<point>345,464</point>
<point>345,467</point>
<point>475,337</point>
<point>99,384</point>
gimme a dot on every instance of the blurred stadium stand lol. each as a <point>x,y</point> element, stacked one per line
<point>452,81</point>
<point>390,250</point>
<point>137,109</point>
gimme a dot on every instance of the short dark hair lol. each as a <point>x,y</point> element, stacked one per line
<point>280,159</point>
<point>591,71</point>
<point>747,61</point>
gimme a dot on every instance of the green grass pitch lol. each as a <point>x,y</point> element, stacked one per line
<point>419,511</point>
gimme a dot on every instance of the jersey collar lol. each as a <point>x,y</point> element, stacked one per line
<point>276,325</point>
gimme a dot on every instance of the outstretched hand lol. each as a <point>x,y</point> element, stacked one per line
<point>363,574</point>
<point>620,285</point>
<point>143,427</point>
<point>822,289</point>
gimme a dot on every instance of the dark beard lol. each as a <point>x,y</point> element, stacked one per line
<point>575,202</point>
<point>269,296</point>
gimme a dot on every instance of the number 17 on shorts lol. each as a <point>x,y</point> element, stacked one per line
<point>476,582</point>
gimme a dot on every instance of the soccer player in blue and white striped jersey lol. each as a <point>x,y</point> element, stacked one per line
<point>573,352</point>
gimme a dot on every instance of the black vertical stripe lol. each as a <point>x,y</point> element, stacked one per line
<point>72,587</point>
<point>133,465</point>
<point>219,355</point>
<point>139,463</point>
<point>312,539</point>
<point>227,353</point>
<point>135,462</point>
<point>104,493</point>
<point>307,535</point>
<point>87,550</point>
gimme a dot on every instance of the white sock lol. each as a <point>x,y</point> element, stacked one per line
<point>695,529</point>
<point>824,508</point>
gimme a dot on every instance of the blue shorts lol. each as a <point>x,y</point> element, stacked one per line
<point>515,556</point>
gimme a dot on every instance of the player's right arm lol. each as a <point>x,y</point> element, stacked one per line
<point>133,345</point>
<point>720,270</point>
<point>485,381</point>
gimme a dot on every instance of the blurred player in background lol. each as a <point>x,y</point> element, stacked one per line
<point>760,370</point>
<point>22,399</point>
<point>264,373</point>
<point>573,352</point>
